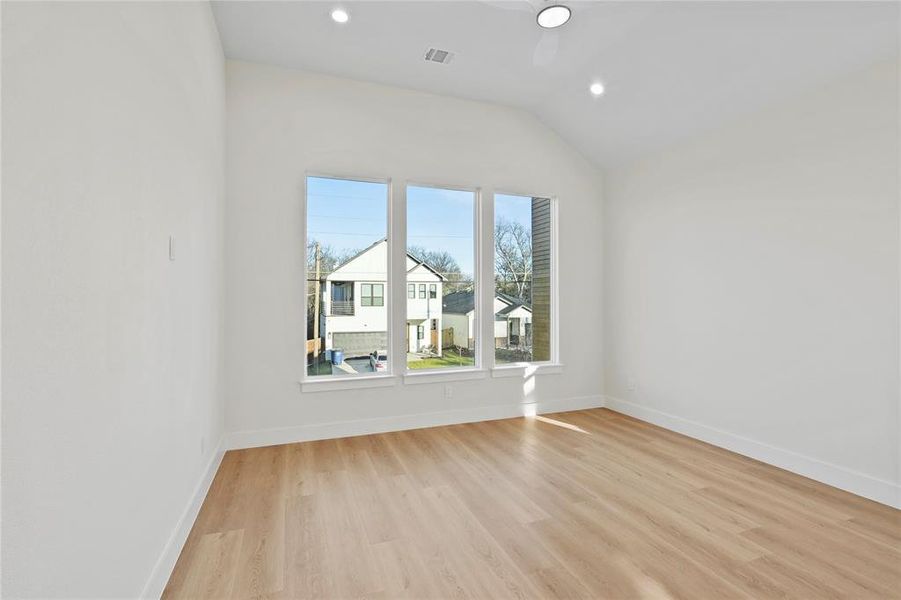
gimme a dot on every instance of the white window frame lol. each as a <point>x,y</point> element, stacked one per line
<point>477,370</point>
<point>317,383</point>
<point>528,368</point>
<point>395,287</point>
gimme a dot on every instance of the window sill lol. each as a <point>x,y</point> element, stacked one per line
<point>446,375</point>
<point>350,382</point>
<point>524,370</point>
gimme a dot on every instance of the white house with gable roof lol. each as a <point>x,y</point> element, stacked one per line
<point>354,315</point>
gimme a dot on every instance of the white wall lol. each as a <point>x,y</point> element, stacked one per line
<point>752,284</point>
<point>113,139</point>
<point>282,123</point>
<point>462,326</point>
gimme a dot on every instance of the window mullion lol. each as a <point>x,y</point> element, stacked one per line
<point>397,277</point>
<point>485,283</point>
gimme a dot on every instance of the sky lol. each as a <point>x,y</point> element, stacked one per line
<point>351,215</point>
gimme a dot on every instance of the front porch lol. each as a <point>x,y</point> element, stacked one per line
<point>423,337</point>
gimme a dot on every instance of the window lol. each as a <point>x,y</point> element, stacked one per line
<point>523,264</point>
<point>440,262</point>
<point>348,294</point>
<point>372,294</point>
<point>346,275</point>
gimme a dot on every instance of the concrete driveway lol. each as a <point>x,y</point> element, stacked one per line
<point>352,366</point>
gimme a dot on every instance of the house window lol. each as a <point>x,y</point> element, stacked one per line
<point>524,276</point>
<point>347,255</point>
<point>411,291</point>
<point>372,294</point>
<point>441,246</point>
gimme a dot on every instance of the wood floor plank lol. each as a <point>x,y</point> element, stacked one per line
<point>213,567</point>
<point>587,504</point>
<point>304,548</point>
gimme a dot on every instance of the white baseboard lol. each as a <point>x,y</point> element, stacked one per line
<point>884,492</point>
<point>322,431</point>
<point>163,568</point>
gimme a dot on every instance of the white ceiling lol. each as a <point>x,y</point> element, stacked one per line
<point>671,69</point>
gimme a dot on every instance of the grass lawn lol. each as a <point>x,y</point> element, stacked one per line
<point>448,359</point>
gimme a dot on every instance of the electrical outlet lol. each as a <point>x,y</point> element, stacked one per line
<point>631,384</point>
<point>448,392</point>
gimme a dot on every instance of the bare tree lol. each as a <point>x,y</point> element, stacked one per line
<point>445,264</point>
<point>513,259</point>
<point>329,260</point>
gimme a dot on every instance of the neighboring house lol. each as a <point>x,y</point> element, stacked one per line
<point>354,317</point>
<point>512,321</point>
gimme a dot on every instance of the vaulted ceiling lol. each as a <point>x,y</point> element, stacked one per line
<point>670,69</point>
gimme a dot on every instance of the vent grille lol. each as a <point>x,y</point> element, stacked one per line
<point>439,56</point>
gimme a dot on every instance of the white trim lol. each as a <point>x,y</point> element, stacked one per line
<point>477,242</point>
<point>508,191</point>
<point>162,570</point>
<point>478,227</point>
<point>339,429</point>
<point>394,266</point>
<point>436,376</point>
<point>555,268</point>
<point>348,382</point>
<point>389,194</point>
<point>855,482</point>
<point>524,370</point>
<point>483,299</point>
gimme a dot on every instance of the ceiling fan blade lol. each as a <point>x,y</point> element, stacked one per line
<point>546,49</point>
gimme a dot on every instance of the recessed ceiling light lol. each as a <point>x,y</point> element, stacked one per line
<point>554,16</point>
<point>597,88</point>
<point>339,15</point>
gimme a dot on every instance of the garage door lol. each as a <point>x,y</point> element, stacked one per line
<point>360,344</point>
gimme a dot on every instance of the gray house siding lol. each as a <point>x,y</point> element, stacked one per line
<point>541,279</point>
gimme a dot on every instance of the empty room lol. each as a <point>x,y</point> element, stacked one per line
<point>441,299</point>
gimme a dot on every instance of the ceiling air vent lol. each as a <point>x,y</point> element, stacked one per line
<point>439,56</point>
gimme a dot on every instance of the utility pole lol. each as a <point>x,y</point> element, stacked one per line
<point>316,300</point>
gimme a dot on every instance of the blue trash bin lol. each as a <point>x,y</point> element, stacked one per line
<point>337,357</point>
<point>328,355</point>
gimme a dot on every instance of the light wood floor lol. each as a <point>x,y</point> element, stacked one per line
<point>587,504</point>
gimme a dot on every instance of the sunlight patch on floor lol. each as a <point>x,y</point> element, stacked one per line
<point>561,424</point>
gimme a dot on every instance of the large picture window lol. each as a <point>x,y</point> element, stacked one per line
<point>441,327</point>
<point>348,304</point>
<point>523,279</point>
<point>346,277</point>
